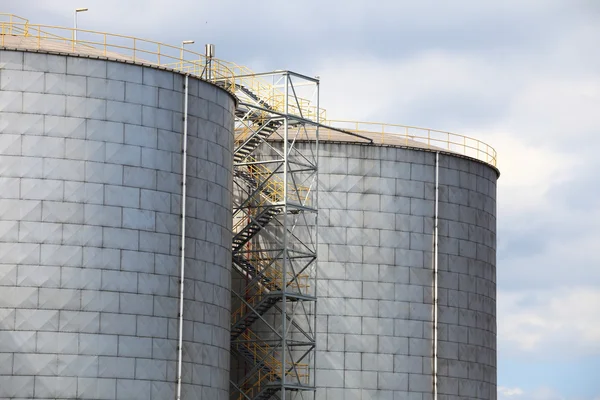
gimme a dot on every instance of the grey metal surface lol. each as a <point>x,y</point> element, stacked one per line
<point>376,208</point>
<point>90,187</point>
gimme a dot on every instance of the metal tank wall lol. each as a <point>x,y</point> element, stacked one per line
<point>376,209</point>
<point>90,219</point>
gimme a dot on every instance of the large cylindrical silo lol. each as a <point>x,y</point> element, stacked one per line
<point>376,322</point>
<point>90,229</point>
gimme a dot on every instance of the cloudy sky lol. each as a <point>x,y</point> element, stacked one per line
<point>522,75</point>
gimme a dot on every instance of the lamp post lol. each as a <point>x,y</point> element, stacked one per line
<point>182,48</point>
<point>183,45</point>
<point>77,10</point>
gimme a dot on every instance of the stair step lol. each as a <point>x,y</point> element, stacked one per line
<point>250,317</point>
<point>251,229</point>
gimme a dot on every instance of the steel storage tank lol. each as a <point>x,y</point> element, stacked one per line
<point>377,213</point>
<point>90,230</point>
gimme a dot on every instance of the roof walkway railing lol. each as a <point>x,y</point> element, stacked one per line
<point>18,32</point>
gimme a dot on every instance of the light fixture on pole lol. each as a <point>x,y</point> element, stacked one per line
<point>77,10</point>
<point>183,45</point>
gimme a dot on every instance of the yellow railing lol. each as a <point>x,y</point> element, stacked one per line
<point>262,352</point>
<point>254,385</point>
<point>391,134</point>
<point>271,193</point>
<point>9,24</point>
<point>7,21</point>
<point>243,132</point>
<point>273,188</point>
<point>275,97</point>
<point>228,74</point>
<point>273,271</point>
<point>19,32</point>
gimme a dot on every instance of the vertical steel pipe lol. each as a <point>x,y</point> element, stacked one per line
<point>183,207</point>
<point>435,276</point>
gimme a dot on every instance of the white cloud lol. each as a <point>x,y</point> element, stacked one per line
<point>396,86</point>
<point>546,324</point>
<point>559,110</point>
<point>509,392</point>
<point>528,171</point>
<point>539,393</point>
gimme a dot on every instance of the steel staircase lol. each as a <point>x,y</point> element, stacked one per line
<point>266,190</point>
<point>268,278</point>
<point>264,293</point>
<point>248,140</point>
<point>257,223</point>
<point>263,382</point>
<point>250,143</point>
<point>248,92</point>
<point>247,320</point>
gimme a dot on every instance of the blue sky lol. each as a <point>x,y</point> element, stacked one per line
<point>523,76</point>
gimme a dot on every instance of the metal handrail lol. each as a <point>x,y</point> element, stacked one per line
<point>262,352</point>
<point>274,185</point>
<point>229,75</point>
<point>106,44</point>
<point>393,134</point>
<point>7,17</point>
<point>272,270</point>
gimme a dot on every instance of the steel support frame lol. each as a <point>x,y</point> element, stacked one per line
<point>291,237</point>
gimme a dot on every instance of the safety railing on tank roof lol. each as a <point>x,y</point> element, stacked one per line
<point>10,18</point>
<point>144,51</point>
<point>19,32</point>
<point>391,134</point>
<point>229,75</point>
